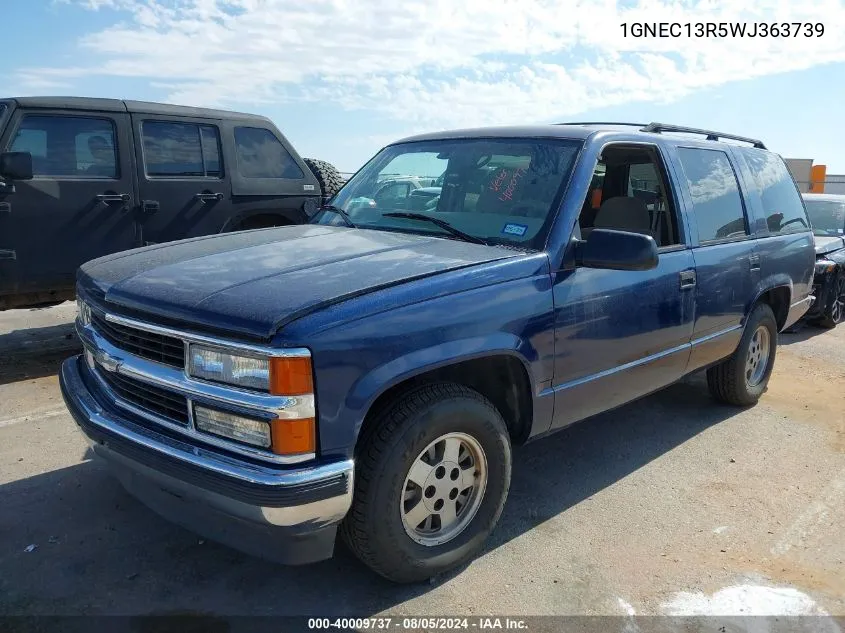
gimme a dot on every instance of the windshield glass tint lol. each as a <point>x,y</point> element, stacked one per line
<point>826,216</point>
<point>499,191</point>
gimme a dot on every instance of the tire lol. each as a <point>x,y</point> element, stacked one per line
<point>327,175</point>
<point>729,381</point>
<point>835,312</point>
<point>375,528</point>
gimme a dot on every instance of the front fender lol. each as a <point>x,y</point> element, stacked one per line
<point>357,361</point>
<point>372,385</point>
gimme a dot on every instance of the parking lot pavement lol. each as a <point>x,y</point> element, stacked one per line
<point>670,505</point>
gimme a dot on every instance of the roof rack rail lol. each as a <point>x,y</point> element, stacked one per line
<point>657,128</point>
<point>602,123</point>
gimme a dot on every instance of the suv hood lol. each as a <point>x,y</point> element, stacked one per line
<point>828,244</point>
<point>254,282</point>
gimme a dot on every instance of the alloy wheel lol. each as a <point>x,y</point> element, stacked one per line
<point>758,356</point>
<point>443,489</point>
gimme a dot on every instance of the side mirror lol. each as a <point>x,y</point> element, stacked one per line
<point>617,250</point>
<point>16,165</point>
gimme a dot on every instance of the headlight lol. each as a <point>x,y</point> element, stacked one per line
<point>293,432</point>
<point>282,376</point>
<point>283,437</point>
<point>234,427</point>
<point>84,312</point>
<point>824,266</point>
<point>216,365</point>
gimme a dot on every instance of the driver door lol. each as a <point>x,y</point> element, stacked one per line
<point>620,335</point>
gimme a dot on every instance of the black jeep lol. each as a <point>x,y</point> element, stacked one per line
<point>81,178</point>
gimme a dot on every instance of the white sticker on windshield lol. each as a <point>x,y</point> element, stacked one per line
<point>515,229</point>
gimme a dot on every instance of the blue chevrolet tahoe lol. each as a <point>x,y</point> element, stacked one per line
<point>370,372</point>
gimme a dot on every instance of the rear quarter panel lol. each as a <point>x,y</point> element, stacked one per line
<point>786,260</point>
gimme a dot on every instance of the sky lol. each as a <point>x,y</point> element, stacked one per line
<point>342,78</point>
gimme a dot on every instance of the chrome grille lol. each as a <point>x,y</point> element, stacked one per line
<point>150,398</point>
<point>157,347</point>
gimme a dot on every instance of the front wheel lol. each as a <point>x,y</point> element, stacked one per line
<point>835,312</point>
<point>742,378</point>
<point>432,477</point>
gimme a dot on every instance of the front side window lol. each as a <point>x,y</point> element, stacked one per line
<point>69,147</point>
<point>782,204</point>
<point>181,149</point>
<point>499,191</point>
<point>716,201</point>
<point>827,217</point>
<point>262,155</point>
<point>629,193</point>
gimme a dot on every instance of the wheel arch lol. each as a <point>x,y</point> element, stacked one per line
<point>501,375</point>
<point>777,294</point>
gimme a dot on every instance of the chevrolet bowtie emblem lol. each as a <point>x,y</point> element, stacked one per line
<point>107,362</point>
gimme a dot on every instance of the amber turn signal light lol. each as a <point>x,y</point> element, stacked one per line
<point>290,437</point>
<point>291,376</point>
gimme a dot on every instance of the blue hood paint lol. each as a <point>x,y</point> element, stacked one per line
<point>253,283</point>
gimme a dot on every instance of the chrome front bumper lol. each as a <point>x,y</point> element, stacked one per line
<point>201,488</point>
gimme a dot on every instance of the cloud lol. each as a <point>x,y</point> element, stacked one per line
<point>440,63</point>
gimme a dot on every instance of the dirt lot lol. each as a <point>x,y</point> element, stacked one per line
<point>669,505</point>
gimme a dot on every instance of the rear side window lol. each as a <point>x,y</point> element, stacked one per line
<point>181,149</point>
<point>70,147</point>
<point>261,155</point>
<point>782,204</point>
<point>716,201</point>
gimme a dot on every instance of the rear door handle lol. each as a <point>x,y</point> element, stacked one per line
<point>687,279</point>
<point>754,260</point>
<point>113,197</point>
<point>208,197</point>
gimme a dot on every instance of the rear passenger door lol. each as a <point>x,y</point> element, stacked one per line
<point>184,186</point>
<point>78,205</point>
<point>727,265</point>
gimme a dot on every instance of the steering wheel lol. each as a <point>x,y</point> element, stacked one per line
<point>793,220</point>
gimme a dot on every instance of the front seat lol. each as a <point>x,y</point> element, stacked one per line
<point>624,214</point>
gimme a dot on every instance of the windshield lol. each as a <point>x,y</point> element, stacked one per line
<point>826,216</point>
<point>497,191</point>
<point>2,113</point>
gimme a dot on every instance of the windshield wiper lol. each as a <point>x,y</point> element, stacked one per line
<point>343,214</point>
<point>466,237</point>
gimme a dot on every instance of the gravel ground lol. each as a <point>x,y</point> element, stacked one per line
<point>672,504</point>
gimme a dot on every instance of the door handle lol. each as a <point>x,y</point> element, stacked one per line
<point>754,261</point>
<point>113,197</point>
<point>150,207</point>
<point>687,279</point>
<point>5,207</point>
<point>208,197</point>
